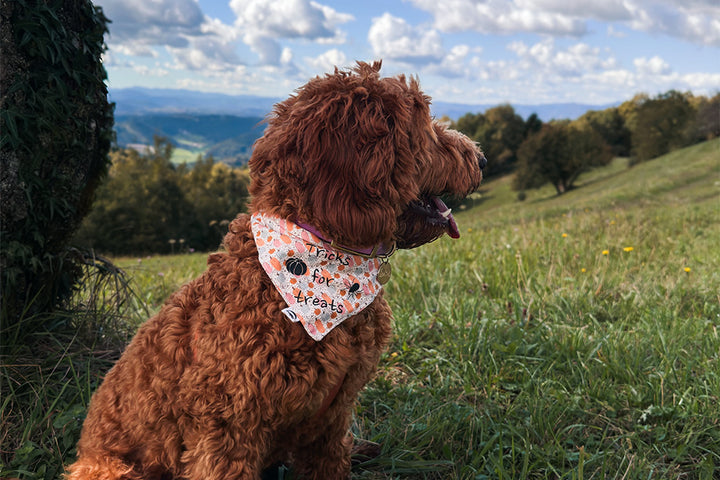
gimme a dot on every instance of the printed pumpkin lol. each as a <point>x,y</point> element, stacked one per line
<point>296,266</point>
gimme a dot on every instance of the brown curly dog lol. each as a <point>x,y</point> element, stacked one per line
<point>260,360</point>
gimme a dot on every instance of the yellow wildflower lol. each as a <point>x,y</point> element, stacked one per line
<point>628,249</point>
<point>606,252</point>
<point>687,269</point>
<point>564,235</point>
<point>583,270</point>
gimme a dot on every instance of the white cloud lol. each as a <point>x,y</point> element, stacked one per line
<point>500,16</point>
<point>237,80</point>
<point>576,60</point>
<point>266,80</point>
<point>697,21</point>
<point>614,32</point>
<point>264,22</point>
<point>327,61</point>
<point>138,24</point>
<point>267,48</point>
<point>214,50</point>
<point>205,55</point>
<point>543,72</point>
<point>286,56</point>
<point>146,71</point>
<point>200,43</point>
<point>272,46</point>
<point>460,62</point>
<point>134,49</point>
<point>456,59</point>
<point>652,66</point>
<point>607,10</point>
<point>196,42</point>
<point>703,83</point>
<point>393,38</point>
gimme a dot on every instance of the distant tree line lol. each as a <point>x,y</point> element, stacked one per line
<point>557,152</point>
<point>149,205</point>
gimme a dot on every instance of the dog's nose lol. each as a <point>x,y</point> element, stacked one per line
<point>482,160</point>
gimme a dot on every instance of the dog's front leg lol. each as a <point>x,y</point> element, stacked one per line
<point>224,454</point>
<point>329,455</point>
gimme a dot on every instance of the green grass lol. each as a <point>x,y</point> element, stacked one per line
<point>158,276</point>
<point>184,155</point>
<point>521,350</point>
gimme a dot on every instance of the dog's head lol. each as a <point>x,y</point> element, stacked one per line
<point>359,158</point>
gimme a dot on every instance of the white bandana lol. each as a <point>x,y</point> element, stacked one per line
<point>322,286</point>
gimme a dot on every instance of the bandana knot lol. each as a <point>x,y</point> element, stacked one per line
<point>322,286</point>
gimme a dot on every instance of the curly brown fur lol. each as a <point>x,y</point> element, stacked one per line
<point>220,384</point>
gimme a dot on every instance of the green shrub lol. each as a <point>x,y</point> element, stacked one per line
<point>148,205</point>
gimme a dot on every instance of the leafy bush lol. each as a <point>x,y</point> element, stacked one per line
<point>707,121</point>
<point>500,132</point>
<point>55,133</point>
<point>148,205</point>
<point>558,154</point>
<point>662,125</point>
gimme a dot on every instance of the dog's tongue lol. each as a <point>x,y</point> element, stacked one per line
<point>443,210</point>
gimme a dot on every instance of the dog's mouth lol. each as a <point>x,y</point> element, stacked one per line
<point>425,220</point>
<point>436,214</point>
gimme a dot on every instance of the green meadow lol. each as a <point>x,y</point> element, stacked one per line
<point>561,337</point>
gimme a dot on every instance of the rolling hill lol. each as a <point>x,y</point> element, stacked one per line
<point>225,126</point>
<point>228,138</point>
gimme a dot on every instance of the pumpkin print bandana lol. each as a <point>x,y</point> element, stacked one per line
<point>322,286</point>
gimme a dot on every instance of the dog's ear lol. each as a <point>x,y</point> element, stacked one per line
<point>342,156</point>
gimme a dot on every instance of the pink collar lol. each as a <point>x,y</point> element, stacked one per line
<point>380,250</point>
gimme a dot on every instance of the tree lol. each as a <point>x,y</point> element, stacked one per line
<point>662,125</point>
<point>55,134</point>
<point>610,124</point>
<point>500,131</point>
<point>628,110</point>
<point>148,205</point>
<point>706,125</point>
<point>470,124</point>
<point>558,154</point>
<point>217,193</point>
<point>533,124</point>
<point>501,136</point>
<point>141,207</point>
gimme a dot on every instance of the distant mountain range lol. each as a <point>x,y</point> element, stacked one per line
<point>225,126</point>
<point>140,101</point>
<point>228,138</point>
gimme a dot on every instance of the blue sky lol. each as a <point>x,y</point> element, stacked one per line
<point>465,51</point>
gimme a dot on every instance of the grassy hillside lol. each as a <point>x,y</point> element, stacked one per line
<point>571,337</point>
<point>683,174</point>
<point>560,337</point>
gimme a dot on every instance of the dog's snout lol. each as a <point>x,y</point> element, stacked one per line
<point>482,160</point>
